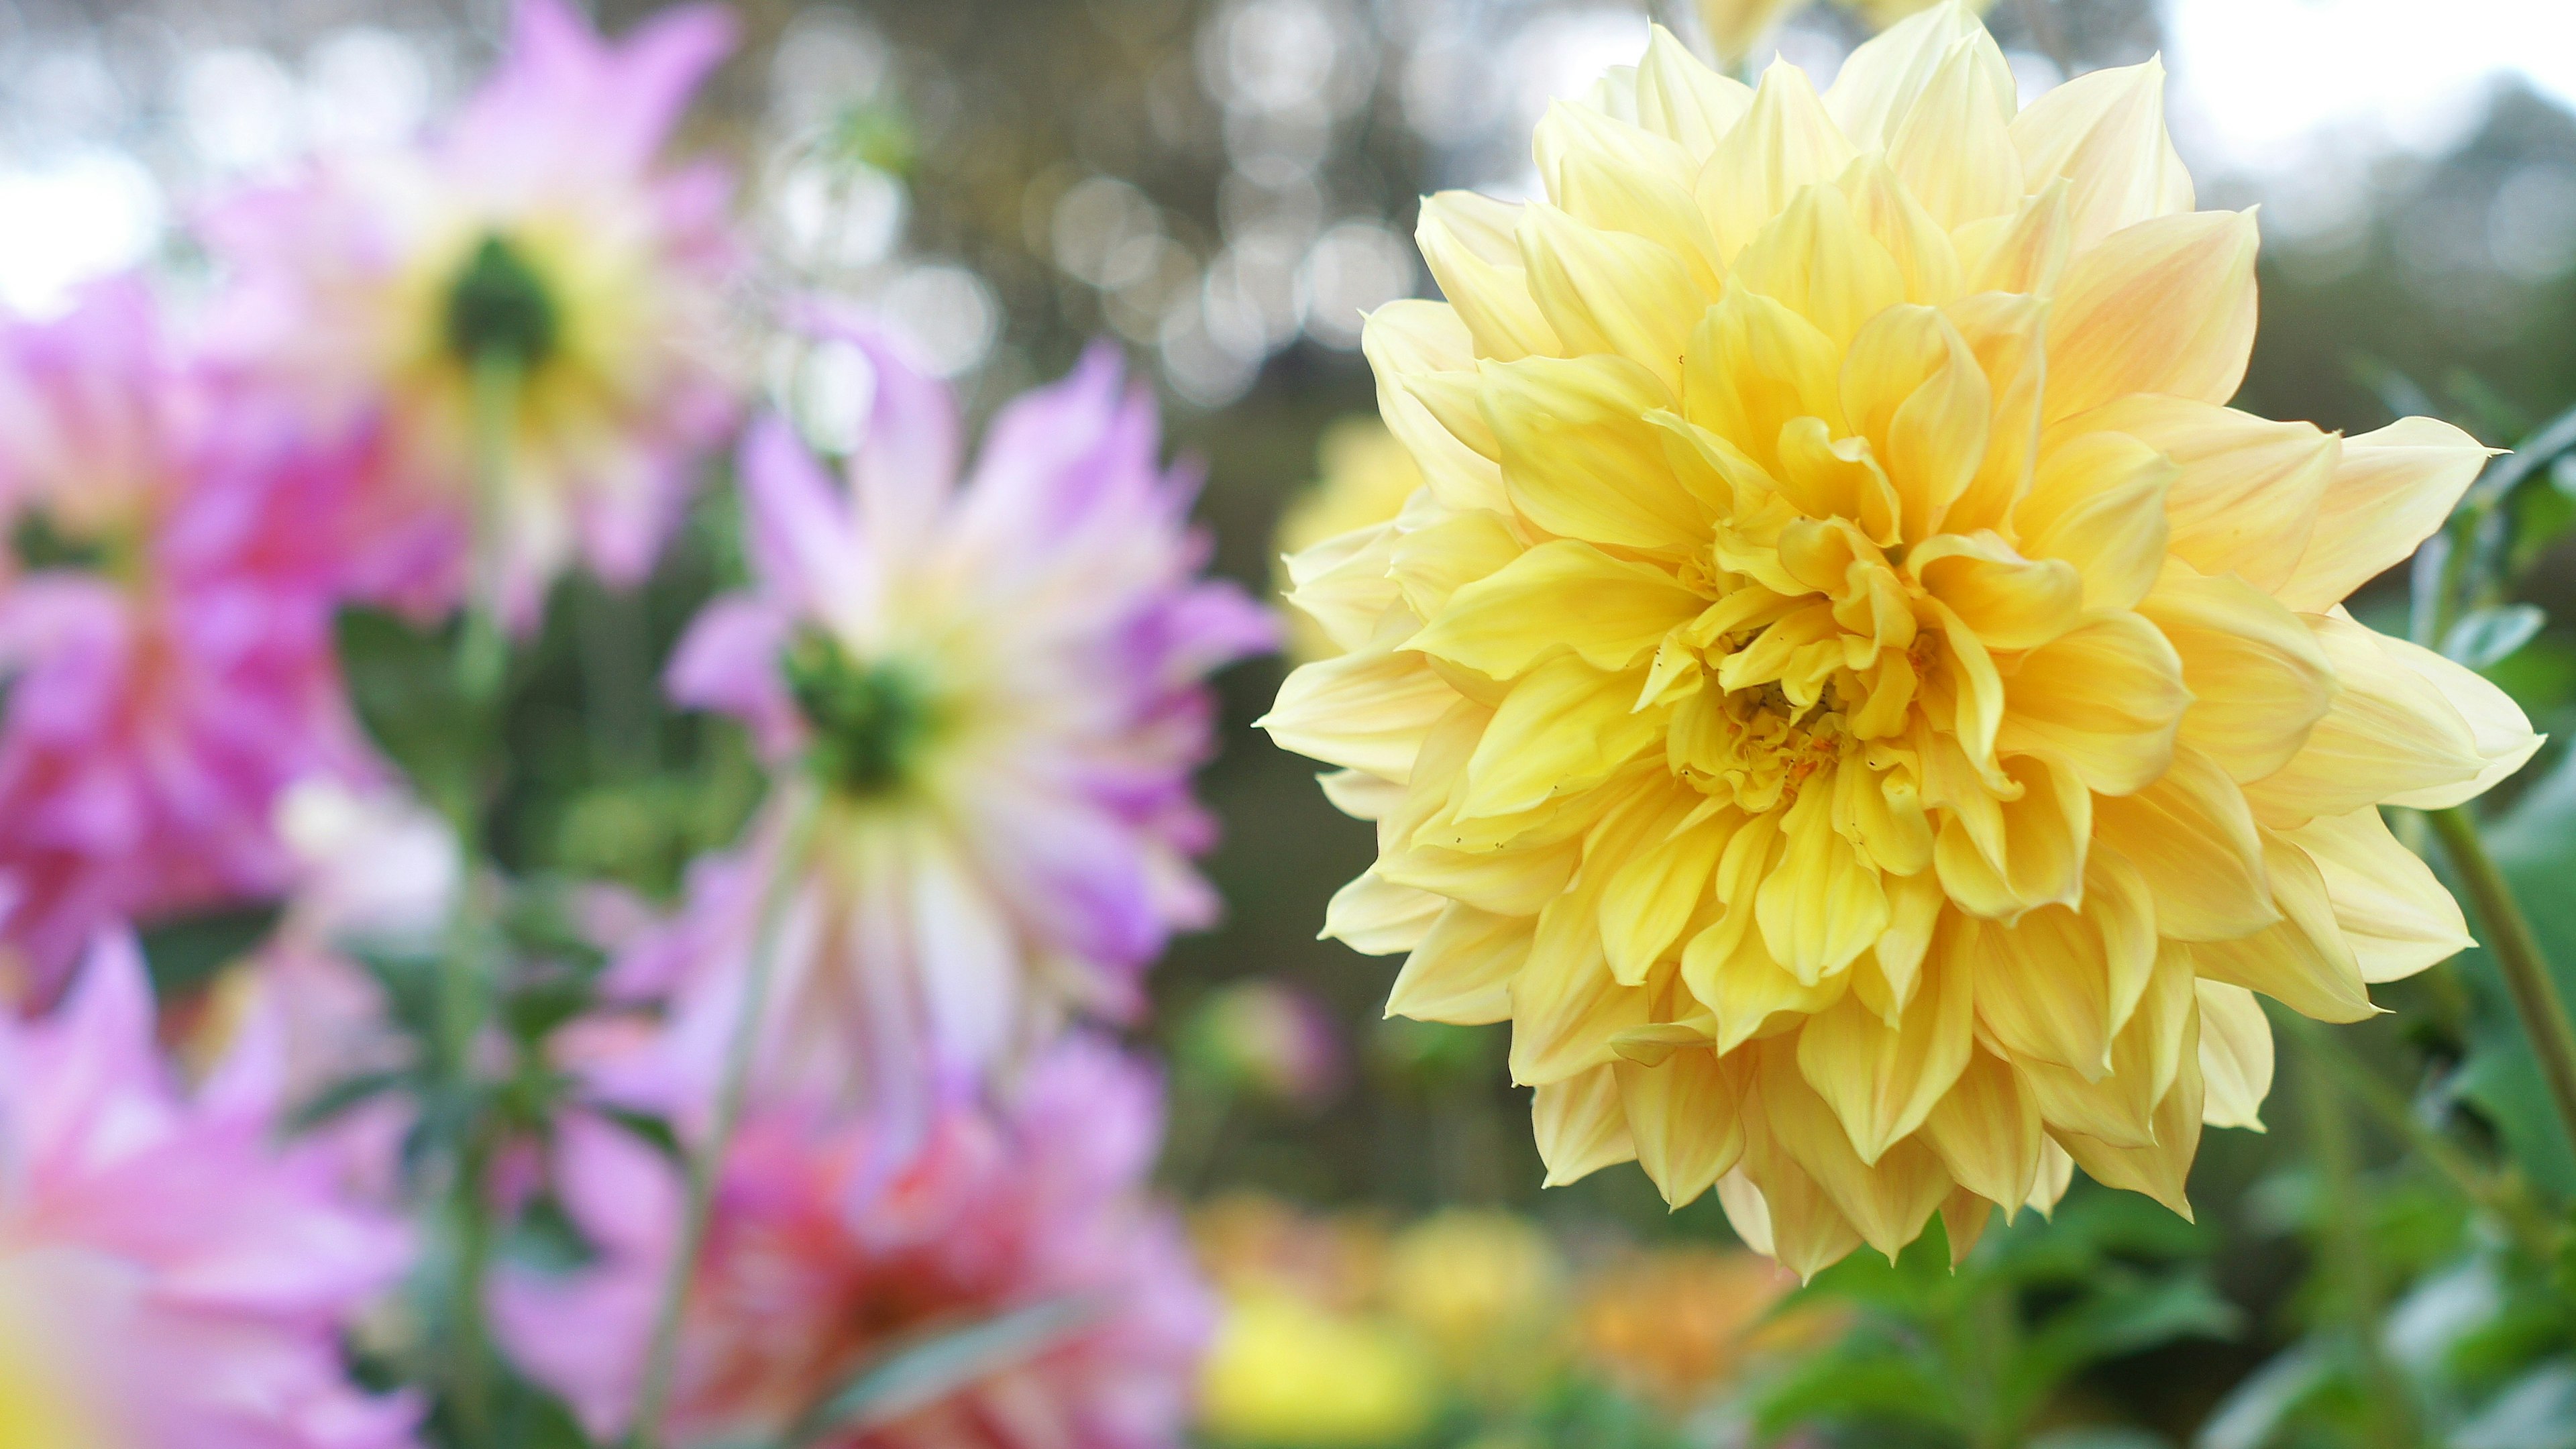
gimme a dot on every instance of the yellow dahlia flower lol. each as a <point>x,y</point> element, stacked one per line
<point>1364,477</point>
<point>1850,692</point>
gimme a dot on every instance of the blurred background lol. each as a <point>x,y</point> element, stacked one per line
<point>1226,185</point>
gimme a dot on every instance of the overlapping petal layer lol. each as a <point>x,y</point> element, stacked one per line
<point>1850,692</point>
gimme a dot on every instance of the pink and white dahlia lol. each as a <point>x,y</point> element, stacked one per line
<point>534,243</point>
<point>997,690</point>
<point>169,1278</point>
<point>165,631</point>
<point>818,1262</point>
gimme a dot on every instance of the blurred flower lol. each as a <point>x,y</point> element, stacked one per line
<point>1287,1371</point>
<point>1366,476</point>
<point>1676,1324</point>
<point>1866,776</point>
<point>997,690</point>
<point>373,865</point>
<point>1486,1289</point>
<point>1268,1036</point>
<point>190,1283</point>
<point>168,636</point>
<point>534,245</point>
<point>1735,27</point>
<point>818,1263</point>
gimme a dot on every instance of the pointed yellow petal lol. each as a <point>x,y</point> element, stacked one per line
<point>1652,898</point>
<point>1686,1118</point>
<point>2235,1056</point>
<point>1376,917</point>
<point>1580,1126</point>
<point>1925,257</point>
<point>1411,345</point>
<point>1954,147</point>
<point>1816,259</point>
<point>2303,962</point>
<point>1882,1081</point>
<point>2395,915</point>
<point>2105,133</point>
<point>1609,292</point>
<point>2166,306</point>
<point>2393,733</point>
<point>2036,855</point>
<point>2108,699</point>
<point>1579,459</point>
<point>2098,502</point>
<point>2024,252</point>
<point>1559,595</point>
<point>1469,243</point>
<point>1822,905</point>
<point>2393,489</point>
<point>1888,1201</point>
<point>1368,710</point>
<point>2193,839</point>
<point>1430,564</point>
<point>1565,726</point>
<point>1785,141</point>
<point>2498,729</point>
<point>1986,1131</point>
<point>2010,602</point>
<point>1623,178</point>
<point>2160,1171</point>
<point>1685,101</point>
<point>2246,499</point>
<point>1753,366</point>
<point>2258,679</point>
<point>1881,81</point>
<point>1461,971</point>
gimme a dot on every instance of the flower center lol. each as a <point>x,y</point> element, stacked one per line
<point>498,309</point>
<point>871,719</point>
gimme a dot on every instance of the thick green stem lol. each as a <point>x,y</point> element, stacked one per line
<point>483,653</point>
<point>2518,957</point>
<point>653,1399</point>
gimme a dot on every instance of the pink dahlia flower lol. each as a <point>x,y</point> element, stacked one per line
<point>998,691</point>
<point>172,668</point>
<point>818,1262</point>
<point>168,1276</point>
<point>535,234</point>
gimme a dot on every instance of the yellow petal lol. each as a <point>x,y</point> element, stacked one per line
<point>2010,602</point>
<point>2392,490</point>
<point>2303,962</point>
<point>1913,387</point>
<point>2050,987</point>
<point>1376,917</point>
<point>2193,839</point>
<point>2235,1056</point>
<point>2498,729</point>
<point>1580,1126</point>
<point>1785,141</point>
<point>1653,897</point>
<point>2391,734</point>
<point>1470,245</point>
<point>1816,259</point>
<point>1559,595</point>
<point>2098,502</point>
<point>1822,905</point>
<point>1754,365</point>
<point>1430,564</point>
<point>2160,1171</point>
<point>1579,459</point>
<point>2105,133</point>
<point>1342,584</point>
<point>1410,344</point>
<point>2005,334</point>
<point>1685,1117</point>
<point>2023,253</point>
<point>1882,81</point>
<point>2258,679</point>
<point>2395,915</point>
<point>1986,1132</point>
<point>2246,499</point>
<point>1685,101</point>
<point>1368,710</point>
<point>1609,292</point>
<point>1887,1202</point>
<point>2117,1105</point>
<point>1882,1081</point>
<point>1566,1006</point>
<point>2165,306</point>
<point>1619,177</point>
<point>2033,851</point>
<point>1925,257</point>
<point>1515,880</point>
<point>1564,727</point>
<point>1954,147</point>
<point>1461,971</point>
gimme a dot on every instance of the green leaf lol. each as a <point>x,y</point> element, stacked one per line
<point>2537,1411</point>
<point>930,1368</point>
<point>2483,638</point>
<point>1878,1381</point>
<point>185,954</point>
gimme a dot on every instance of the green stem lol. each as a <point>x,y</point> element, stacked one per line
<point>2518,957</point>
<point>483,653</point>
<point>653,1399</point>
<point>2351,1271</point>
